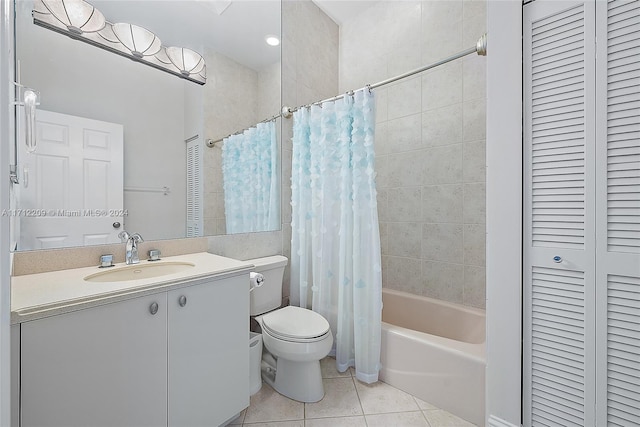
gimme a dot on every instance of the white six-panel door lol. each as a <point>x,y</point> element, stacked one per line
<point>582,213</point>
<point>71,191</point>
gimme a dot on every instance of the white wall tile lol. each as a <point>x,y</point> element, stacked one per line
<point>442,126</point>
<point>407,56</point>
<point>442,86</point>
<point>381,104</point>
<point>474,9</point>
<point>474,161</point>
<point>474,76</point>
<point>404,134</point>
<point>474,21</point>
<point>247,245</point>
<point>407,169</point>
<point>441,29</point>
<point>474,211</point>
<point>474,244</point>
<point>383,204</point>
<point>442,203</point>
<point>404,23</point>
<point>381,144</point>
<point>405,204</point>
<point>403,274</point>
<point>474,120</point>
<point>443,281</point>
<point>404,239</point>
<point>404,98</point>
<point>383,172</point>
<point>443,165</point>
<point>442,242</point>
<point>474,286</point>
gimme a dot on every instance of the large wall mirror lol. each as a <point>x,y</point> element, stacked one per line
<point>122,145</point>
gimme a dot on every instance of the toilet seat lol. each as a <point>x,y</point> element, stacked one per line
<point>295,324</point>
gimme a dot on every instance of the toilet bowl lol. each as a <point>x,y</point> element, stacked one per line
<point>294,338</point>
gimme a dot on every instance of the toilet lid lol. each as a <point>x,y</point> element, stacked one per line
<point>295,323</point>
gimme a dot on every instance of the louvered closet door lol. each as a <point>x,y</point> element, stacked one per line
<point>194,189</point>
<point>559,271</point>
<point>618,214</point>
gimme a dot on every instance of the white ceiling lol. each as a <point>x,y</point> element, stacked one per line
<point>237,33</point>
<point>342,11</point>
<point>234,28</point>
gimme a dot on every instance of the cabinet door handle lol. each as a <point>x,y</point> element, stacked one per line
<point>153,308</point>
<point>182,301</point>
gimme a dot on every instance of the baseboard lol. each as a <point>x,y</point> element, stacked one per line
<point>499,422</point>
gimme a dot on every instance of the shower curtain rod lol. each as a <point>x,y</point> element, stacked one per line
<point>480,48</point>
<point>211,143</point>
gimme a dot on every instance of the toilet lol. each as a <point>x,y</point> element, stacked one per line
<point>295,339</point>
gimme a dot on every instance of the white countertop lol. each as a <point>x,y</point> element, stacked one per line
<point>34,296</point>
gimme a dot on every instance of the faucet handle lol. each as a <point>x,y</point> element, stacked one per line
<point>137,237</point>
<point>124,236</point>
<point>154,255</point>
<point>106,261</point>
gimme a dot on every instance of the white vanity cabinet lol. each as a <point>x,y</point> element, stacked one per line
<point>103,366</point>
<point>174,358</point>
<point>208,331</point>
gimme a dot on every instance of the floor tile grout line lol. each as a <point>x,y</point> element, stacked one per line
<point>423,414</point>
<point>355,386</point>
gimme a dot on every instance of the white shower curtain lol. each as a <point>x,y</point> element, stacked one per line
<point>250,175</point>
<point>335,241</point>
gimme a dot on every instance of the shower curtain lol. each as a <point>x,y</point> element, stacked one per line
<point>335,241</point>
<point>250,176</point>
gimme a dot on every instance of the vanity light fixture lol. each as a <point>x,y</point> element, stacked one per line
<point>81,21</point>
<point>140,41</point>
<point>186,60</point>
<point>75,16</point>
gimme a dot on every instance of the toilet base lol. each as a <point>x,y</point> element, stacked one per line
<point>301,381</point>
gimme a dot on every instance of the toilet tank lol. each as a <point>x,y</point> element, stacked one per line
<point>268,296</point>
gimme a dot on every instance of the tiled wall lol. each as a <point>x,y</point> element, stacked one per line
<point>430,142</point>
<point>235,98</point>
<point>309,73</point>
<point>229,104</point>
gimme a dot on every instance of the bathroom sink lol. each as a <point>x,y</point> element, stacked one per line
<point>139,271</point>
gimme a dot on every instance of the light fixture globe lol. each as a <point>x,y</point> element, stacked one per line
<point>140,41</point>
<point>186,60</point>
<point>77,16</point>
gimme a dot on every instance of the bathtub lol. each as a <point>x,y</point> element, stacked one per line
<point>435,350</point>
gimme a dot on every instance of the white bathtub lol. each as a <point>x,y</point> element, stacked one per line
<point>435,350</point>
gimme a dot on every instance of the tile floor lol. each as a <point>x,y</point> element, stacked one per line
<point>347,403</point>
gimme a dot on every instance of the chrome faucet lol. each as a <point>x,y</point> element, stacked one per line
<point>132,240</point>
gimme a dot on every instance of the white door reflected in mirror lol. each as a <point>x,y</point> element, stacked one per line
<point>72,190</point>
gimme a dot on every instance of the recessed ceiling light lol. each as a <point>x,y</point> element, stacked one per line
<point>272,40</point>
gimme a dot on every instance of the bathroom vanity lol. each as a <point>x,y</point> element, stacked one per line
<point>166,350</point>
